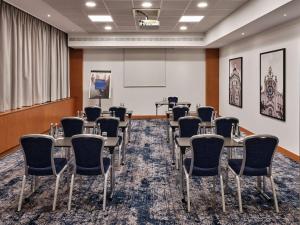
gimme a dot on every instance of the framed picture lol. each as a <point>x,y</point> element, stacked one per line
<point>100,84</point>
<point>272,84</point>
<point>236,82</point>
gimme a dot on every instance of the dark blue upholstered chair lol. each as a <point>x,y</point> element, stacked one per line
<point>39,161</point>
<point>188,126</point>
<point>118,111</point>
<point>72,126</point>
<point>205,113</point>
<point>110,125</point>
<point>257,161</point>
<point>205,161</point>
<point>179,111</point>
<point>172,101</point>
<point>89,160</point>
<point>224,125</point>
<point>92,113</point>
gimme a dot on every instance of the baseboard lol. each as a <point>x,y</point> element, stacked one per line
<point>280,149</point>
<point>145,117</point>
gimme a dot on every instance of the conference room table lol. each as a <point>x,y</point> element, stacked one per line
<point>122,125</point>
<point>161,103</point>
<point>110,143</point>
<point>184,143</point>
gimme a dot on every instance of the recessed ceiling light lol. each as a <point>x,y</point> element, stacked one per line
<point>100,18</point>
<point>48,15</point>
<point>108,28</point>
<point>202,4</point>
<point>146,4</point>
<point>243,33</point>
<point>285,15</point>
<point>183,28</point>
<point>90,4</point>
<point>191,19</point>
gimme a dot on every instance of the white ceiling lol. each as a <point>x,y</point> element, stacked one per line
<point>75,12</point>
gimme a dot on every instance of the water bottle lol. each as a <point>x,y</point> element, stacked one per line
<point>238,131</point>
<point>51,130</point>
<point>78,113</point>
<point>56,131</point>
<point>232,131</point>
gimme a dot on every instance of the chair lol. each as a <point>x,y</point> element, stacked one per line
<point>110,125</point>
<point>172,101</point>
<point>89,160</point>
<point>224,125</point>
<point>39,161</point>
<point>205,161</point>
<point>72,126</point>
<point>119,112</point>
<point>92,113</point>
<point>205,113</point>
<point>180,111</point>
<point>188,127</point>
<point>257,161</point>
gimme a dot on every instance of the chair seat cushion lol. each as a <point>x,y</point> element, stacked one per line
<point>59,165</point>
<point>236,165</point>
<point>91,171</point>
<point>197,171</point>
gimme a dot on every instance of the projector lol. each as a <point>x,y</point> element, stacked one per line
<point>149,24</point>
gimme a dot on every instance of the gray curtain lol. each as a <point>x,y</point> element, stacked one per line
<point>33,60</point>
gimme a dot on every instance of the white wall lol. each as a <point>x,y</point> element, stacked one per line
<point>285,36</point>
<point>185,76</point>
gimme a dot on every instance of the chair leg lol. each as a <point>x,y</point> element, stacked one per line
<point>119,159</point>
<point>239,193</point>
<point>188,192</point>
<point>222,193</point>
<point>22,193</point>
<point>104,192</point>
<point>55,192</point>
<point>71,192</point>
<point>274,194</point>
<point>176,157</point>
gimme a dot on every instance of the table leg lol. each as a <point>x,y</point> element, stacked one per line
<point>181,174</point>
<point>173,147</point>
<point>123,146</point>
<point>156,108</point>
<point>112,179</point>
<point>129,129</point>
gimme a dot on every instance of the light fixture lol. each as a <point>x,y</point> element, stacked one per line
<point>191,19</point>
<point>202,4</point>
<point>48,15</point>
<point>284,14</point>
<point>243,33</point>
<point>90,4</point>
<point>146,4</point>
<point>183,28</point>
<point>100,18</point>
<point>108,27</point>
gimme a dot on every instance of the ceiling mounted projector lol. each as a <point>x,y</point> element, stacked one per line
<point>149,24</point>
<point>147,18</point>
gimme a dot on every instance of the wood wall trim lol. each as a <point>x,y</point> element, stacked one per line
<point>35,119</point>
<point>280,149</point>
<point>212,78</point>
<point>76,77</point>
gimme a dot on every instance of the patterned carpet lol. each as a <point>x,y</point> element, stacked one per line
<point>147,192</point>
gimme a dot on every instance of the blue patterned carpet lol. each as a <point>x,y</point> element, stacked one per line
<point>147,192</point>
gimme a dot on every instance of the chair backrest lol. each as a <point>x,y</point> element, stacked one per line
<point>92,113</point>
<point>180,111</point>
<point>206,152</point>
<point>110,125</point>
<point>37,149</point>
<point>88,151</point>
<point>119,112</point>
<point>172,101</point>
<point>224,125</point>
<point>205,113</point>
<point>188,126</point>
<point>259,151</point>
<point>72,126</point>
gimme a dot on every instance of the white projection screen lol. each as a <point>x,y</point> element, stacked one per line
<point>144,67</point>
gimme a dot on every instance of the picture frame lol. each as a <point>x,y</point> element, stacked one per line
<point>236,82</point>
<point>272,84</point>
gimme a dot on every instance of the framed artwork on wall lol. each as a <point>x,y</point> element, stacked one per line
<point>272,84</point>
<point>236,82</point>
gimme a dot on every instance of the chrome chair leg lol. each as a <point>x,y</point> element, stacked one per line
<point>239,193</point>
<point>55,192</point>
<point>104,192</point>
<point>22,193</point>
<point>222,193</point>
<point>119,158</point>
<point>71,192</point>
<point>274,194</point>
<point>188,192</point>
